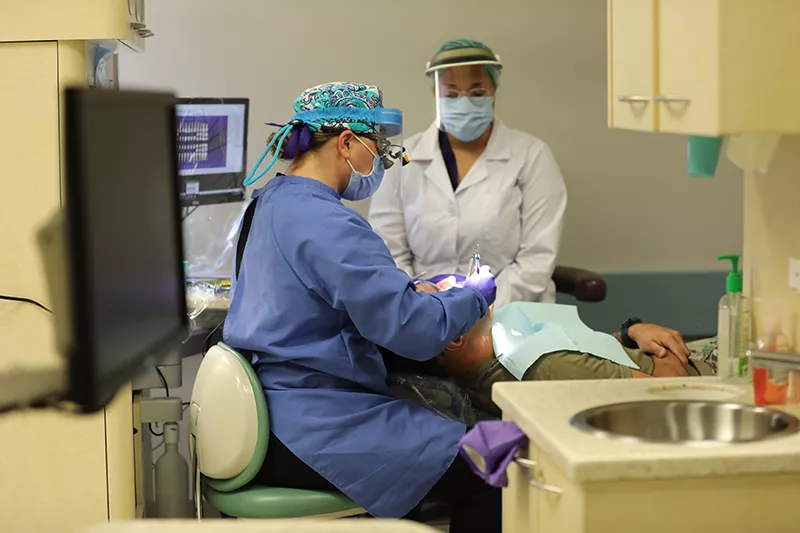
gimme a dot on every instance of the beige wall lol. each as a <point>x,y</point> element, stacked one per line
<point>772,237</point>
<point>632,207</point>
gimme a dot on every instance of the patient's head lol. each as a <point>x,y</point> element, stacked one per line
<point>465,352</point>
<point>461,355</point>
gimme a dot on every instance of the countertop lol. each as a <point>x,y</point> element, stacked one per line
<point>543,411</point>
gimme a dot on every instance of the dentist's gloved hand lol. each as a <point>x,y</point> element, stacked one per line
<point>483,282</point>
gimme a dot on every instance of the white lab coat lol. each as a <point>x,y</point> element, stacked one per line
<point>511,202</point>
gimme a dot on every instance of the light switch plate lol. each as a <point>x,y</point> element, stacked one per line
<point>794,274</point>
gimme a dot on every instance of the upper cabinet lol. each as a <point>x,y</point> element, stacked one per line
<point>631,63</point>
<point>72,20</point>
<point>708,67</point>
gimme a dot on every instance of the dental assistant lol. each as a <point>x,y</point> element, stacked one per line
<point>316,291</point>
<point>474,181</point>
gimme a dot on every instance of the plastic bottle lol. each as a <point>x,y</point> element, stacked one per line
<point>733,327</point>
<point>172,478</point>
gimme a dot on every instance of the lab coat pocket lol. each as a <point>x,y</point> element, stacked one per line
<point>501,233</point>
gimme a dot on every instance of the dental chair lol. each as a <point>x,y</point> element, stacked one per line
<point>584,285</point>
<point>229,433</point>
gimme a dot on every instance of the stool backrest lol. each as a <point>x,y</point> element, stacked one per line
<point>228,419</point>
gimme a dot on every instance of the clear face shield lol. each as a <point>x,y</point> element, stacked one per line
<point>388,137</point>
<point>464,91</point>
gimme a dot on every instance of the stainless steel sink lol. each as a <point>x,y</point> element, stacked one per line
<point>685,422</point>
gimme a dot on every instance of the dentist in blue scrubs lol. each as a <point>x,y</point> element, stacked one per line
<point>316,291</point>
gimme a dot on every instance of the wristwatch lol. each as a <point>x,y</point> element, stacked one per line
<point>623,332</point>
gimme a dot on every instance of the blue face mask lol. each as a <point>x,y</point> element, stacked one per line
<point>467,118</point>
<point>363,186</point>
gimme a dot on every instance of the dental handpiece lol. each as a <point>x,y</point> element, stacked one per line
<point>475,262</point>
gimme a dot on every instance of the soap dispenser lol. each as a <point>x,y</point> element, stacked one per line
<point>733,327</point>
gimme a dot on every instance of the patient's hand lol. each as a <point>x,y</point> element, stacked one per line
<point>660,342</point>
<point>669,367</point>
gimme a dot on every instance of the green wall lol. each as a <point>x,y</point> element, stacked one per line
<point>686,301</point>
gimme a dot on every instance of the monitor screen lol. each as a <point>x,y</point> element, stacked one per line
<point>123,231</point>
<point>212,149</point>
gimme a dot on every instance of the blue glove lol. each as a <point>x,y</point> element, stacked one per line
<point>483,282</point>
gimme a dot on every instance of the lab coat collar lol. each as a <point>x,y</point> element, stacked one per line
<point>427,149</point>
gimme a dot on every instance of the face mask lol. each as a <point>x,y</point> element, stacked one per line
<point>363,186</point>
<point>467,118</point>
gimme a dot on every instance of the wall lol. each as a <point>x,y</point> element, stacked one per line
<point>772,236</point>
<point>57,471</point>
<point>632,207</point>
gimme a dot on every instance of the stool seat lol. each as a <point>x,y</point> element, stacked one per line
<point>229,429</point>
<point>256,501</point>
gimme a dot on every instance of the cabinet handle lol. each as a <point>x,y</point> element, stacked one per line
<point>525,463</point>
<point>544,486</point>
<point>670,99</point>
<point>631,99</point>
<point>532,481</point>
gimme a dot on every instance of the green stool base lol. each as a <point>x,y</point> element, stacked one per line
<point>255,502</point>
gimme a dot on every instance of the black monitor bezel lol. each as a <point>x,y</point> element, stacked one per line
<point>85,389</point>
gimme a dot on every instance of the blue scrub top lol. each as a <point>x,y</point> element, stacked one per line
<point>317,292</point>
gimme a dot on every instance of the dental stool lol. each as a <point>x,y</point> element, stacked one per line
<point>228,438</point>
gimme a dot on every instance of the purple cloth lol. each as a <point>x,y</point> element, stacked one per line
<point>490,447</point>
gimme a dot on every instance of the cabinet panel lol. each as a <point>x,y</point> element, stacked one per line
<point>29,186</point>
<point>558,513</point>
<point>759,78</point>
<point>39,20</point>
<point>632,64</point>
<point>688,66</point>
<point>518,515</point>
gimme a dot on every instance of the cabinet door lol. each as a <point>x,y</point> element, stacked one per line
<point>688,66</point>
<point>52,20</point>
<point>518,515</point>
<point>559,503</point>
<point>631,62</point>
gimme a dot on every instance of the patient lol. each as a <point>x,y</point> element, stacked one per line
<point>471,361</point>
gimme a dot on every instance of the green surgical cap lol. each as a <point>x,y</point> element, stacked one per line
<point>458,44</point>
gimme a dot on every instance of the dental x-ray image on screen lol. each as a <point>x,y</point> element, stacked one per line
<point>212,149</point>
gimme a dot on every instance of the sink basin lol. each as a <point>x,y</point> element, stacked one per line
<point>685,422</point>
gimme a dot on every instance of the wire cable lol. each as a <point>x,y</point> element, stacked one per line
<point>206,345</point>
<point>163,380</point>
<point>156,433</point>
<point>24,301</point>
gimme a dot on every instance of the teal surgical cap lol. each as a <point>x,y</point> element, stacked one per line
<point>448,56</point>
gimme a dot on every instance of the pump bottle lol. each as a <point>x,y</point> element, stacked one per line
<point>733,331</point>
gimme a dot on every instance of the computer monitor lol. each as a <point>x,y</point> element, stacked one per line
<point>124,282</point>
<point>212,149</point>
